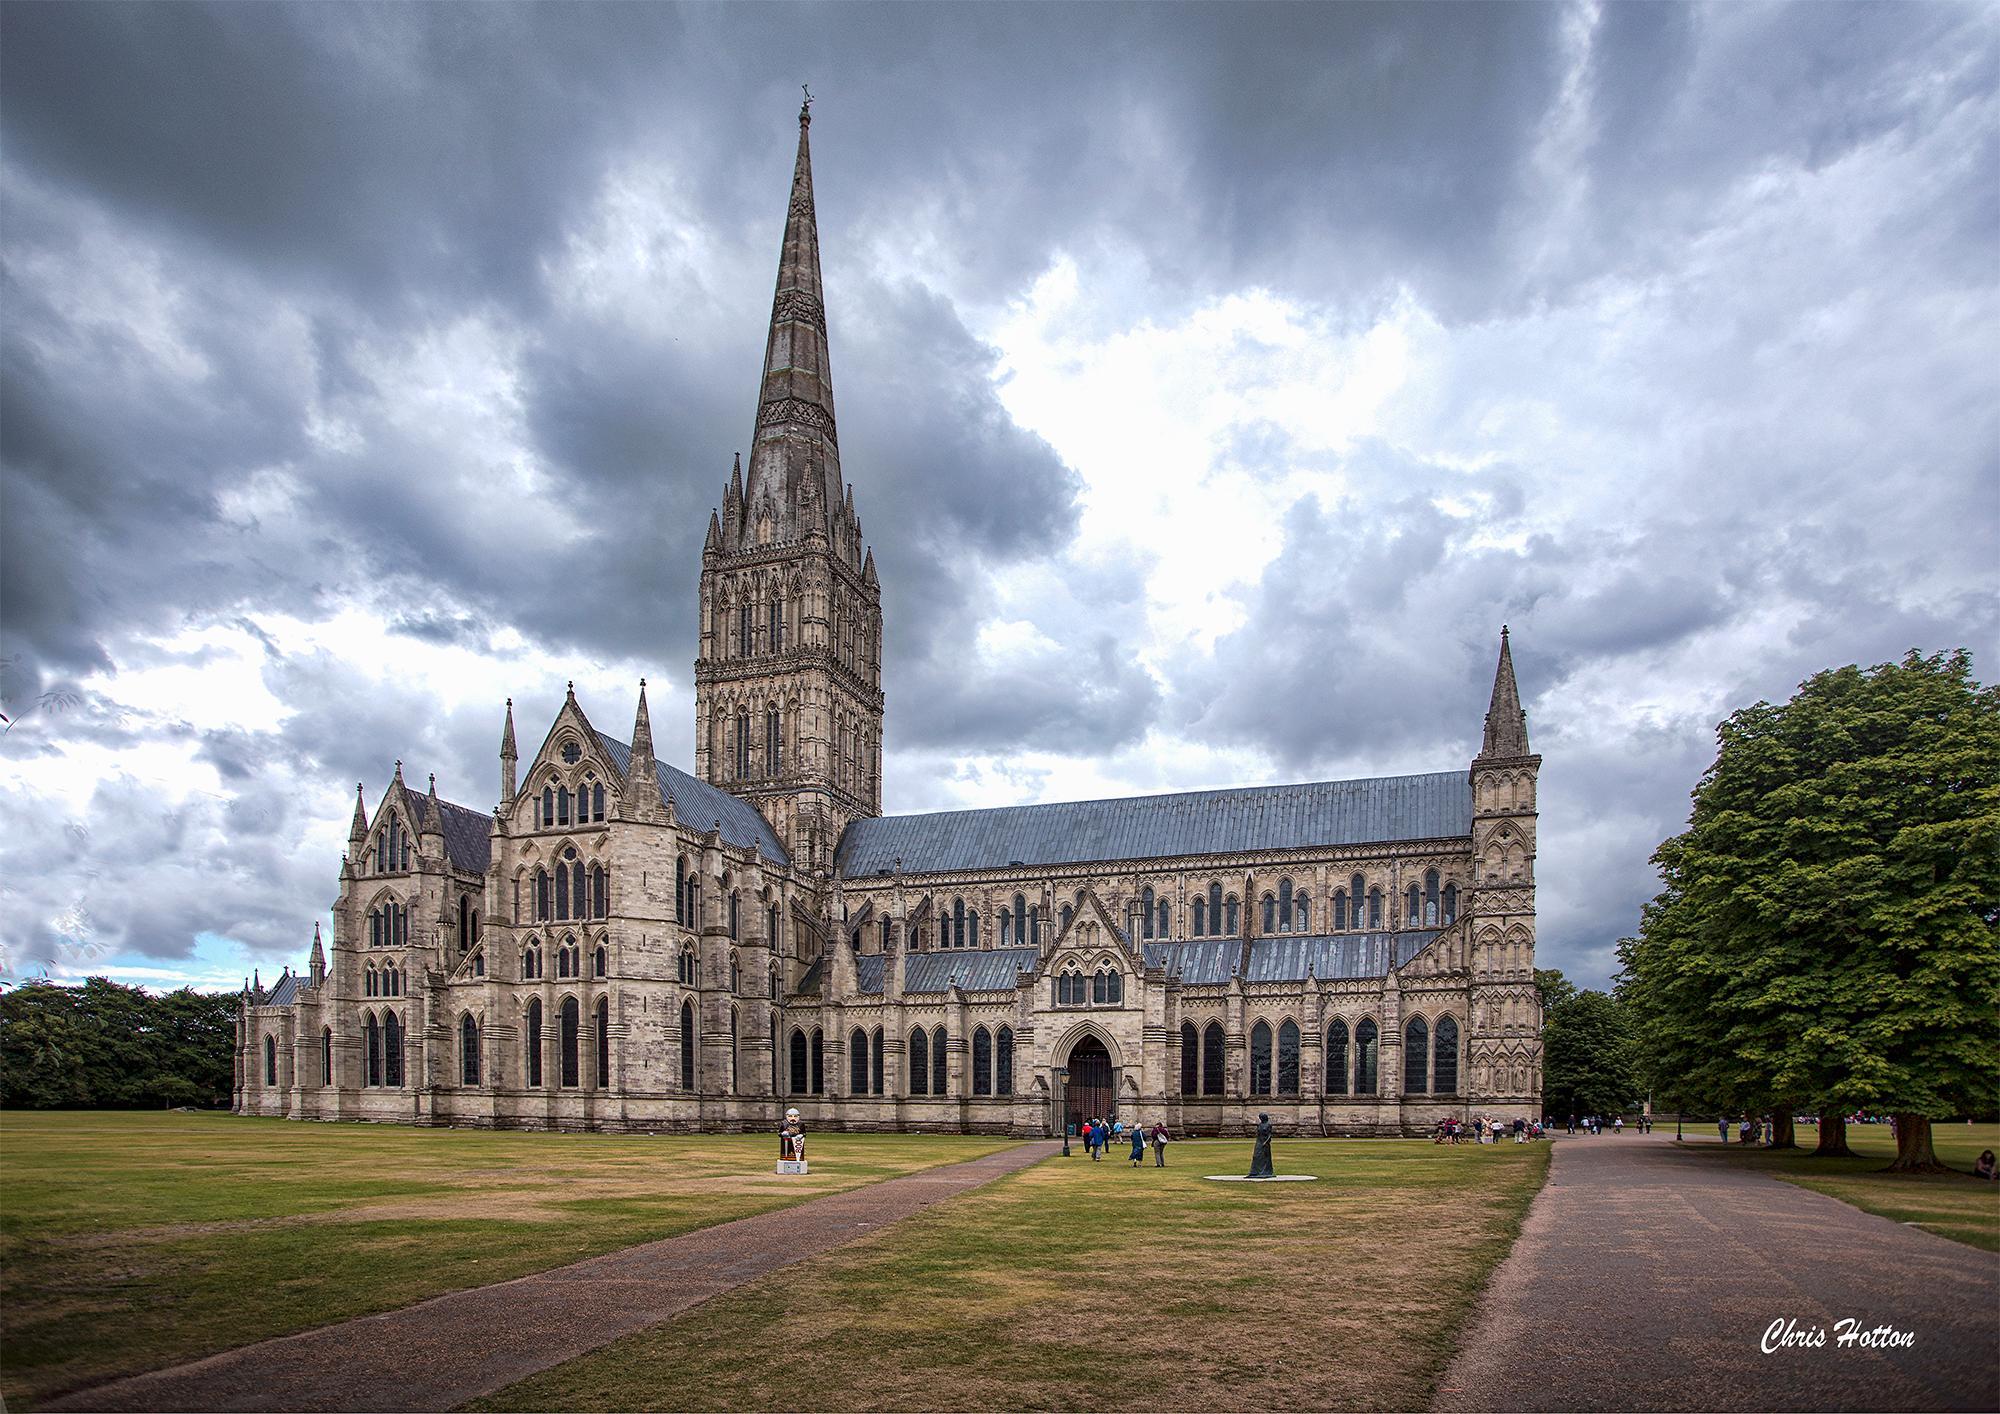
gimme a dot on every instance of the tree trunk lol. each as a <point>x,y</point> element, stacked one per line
<point>1783,1135</point>
<point>1914,1153</point>
<point>1833,1138</point>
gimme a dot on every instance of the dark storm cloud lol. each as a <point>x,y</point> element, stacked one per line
<point>237,237</point>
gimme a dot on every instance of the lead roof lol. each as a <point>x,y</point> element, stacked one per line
<point>1248,819</point>
<point>698,805</point>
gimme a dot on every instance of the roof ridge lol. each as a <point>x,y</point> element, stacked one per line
<point>1177,795</point>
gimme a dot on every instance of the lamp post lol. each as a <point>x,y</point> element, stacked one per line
<point>1063,1107</point>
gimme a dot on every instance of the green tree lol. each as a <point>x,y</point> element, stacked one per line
<point>104,1046</point>
<point>1826,936</point>
<point>1555,989</point>
<point>1587,1057</point>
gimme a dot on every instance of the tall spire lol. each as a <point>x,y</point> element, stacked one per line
<point>1506,723</point>
<point>795,436</point>
<point>359,829</point>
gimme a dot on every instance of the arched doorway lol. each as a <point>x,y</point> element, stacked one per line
<point>1089,1093</point>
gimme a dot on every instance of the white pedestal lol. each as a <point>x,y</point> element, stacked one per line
<point>791,1166</point>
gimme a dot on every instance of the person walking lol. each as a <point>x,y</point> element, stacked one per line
<point>1617,1126</point>
<point>1722,1127</point>
<point>1138,1145</point>
<point>1160,1145</point>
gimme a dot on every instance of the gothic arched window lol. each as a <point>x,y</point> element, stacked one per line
<point>1260,1058</point>
<point>680,890</point>
<point>1068,913</point>
<point>1165,917</point>
<point>938,1071</point>
<point>875,1064</point>
<point>1270,913</point>
<point>597,801</point>
<point>534,1042</point>
<point>1201,917</point>
<point>548,819</point>
<point>1003,1062</point>
<point>1450,903</point>
<point>1416,1056</point>
<point>819,1062</point>
<point>372,1034</point>
<point>687,1045</point>
<point>1288,1058</point>
<point>857,1062</point>
<point>743,744</point>
<point>1444,1062</point>
<point>972,928</point>
<point>801,1075</point>
<point>600,892</point>
<point>562,805</point>
<point>270,1060</point>
<point>542,913</point>
<point>1211,1058</point>
<point>603,1042</point>
<point>686,969</point>
<point>1336,1058</point>
<point>326,1055</point>
<point>1364,1057</point>
<point>1284,905</point>
<point>1431,899</point>
<point>1303,915</point>
<point>776,625</point>
<point>920,1062</point>
<point>771,939</point>
<point>982,1062</point>
<point>1190,1058</point>
<point>774,744</point>
<point>1232,917</point>
<point>1339,910</point>
<point>1146,910</point>
<point>1375,908</point>
<point>468,1050</point>
<point>735,915</point>
<point>392,1049</point>
<point>598,961</point>
<point>1214,908</point>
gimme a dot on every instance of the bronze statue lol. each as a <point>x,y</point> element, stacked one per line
<point>1260,1157</point>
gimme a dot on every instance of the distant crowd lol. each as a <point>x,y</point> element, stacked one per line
<point>1100,1134</point>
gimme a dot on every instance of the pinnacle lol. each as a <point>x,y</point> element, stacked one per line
<point>1506,723</point>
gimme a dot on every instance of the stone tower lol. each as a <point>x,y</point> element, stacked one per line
<point>788,695</point>
<point>1503,1045</point>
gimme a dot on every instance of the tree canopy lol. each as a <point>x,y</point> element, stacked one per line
<point>105,1046</point>
<point>1586,1054</point>
<point>1826,935</point>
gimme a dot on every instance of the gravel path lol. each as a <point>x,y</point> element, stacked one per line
<point>445,1351</point>
<point>1646,1277</point>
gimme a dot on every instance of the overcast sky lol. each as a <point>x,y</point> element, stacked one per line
<point>1213,384</point>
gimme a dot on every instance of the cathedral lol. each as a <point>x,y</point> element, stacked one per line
<point>621,945</point>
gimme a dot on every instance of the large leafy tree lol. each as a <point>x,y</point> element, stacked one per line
<point>1826,936</point>
<point>1587,1057</point>
<point>103,1046</point>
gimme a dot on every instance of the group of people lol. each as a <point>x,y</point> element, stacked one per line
<point>1484,1131</point>
<point>1594,1124</point>
<point>1100,1134</point>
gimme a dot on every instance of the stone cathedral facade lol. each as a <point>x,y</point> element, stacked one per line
<point>620,945</point>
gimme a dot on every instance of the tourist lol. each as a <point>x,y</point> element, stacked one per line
<point>1160,1145</point>
<point>1986,1168</point>
<point>1722,1127</point>
<point>1617,1126</point>
<point>1520,1130</point>
<point>1138,1145</point>
<point>1748,1136</point>
<point>1572,1125</point>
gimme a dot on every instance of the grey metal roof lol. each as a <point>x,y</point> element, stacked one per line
<point>1286,959</point>
<point>468,845</point>
<point>1433,806</point>
<point>977,970</point>
<point>284,991</point>
<point>697,804</point>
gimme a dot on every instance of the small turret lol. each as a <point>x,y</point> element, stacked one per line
<point>358,831</point>
<point>508,757</point>
<point>318,963</point>
<point>641,796</point>
<point>1506,724</point>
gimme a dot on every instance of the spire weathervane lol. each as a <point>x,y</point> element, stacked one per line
<point>806,108</point>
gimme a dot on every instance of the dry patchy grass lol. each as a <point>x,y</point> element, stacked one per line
<point>1074,1285</point>
<point>133,1241</point>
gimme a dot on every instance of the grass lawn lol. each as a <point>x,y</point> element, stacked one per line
<point>1075,1285</point>
<point>1954,1205</point>
<point>131,1241</point>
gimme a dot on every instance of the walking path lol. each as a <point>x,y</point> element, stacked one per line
<point>1646,1276</point>
<point>450,1349</point>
